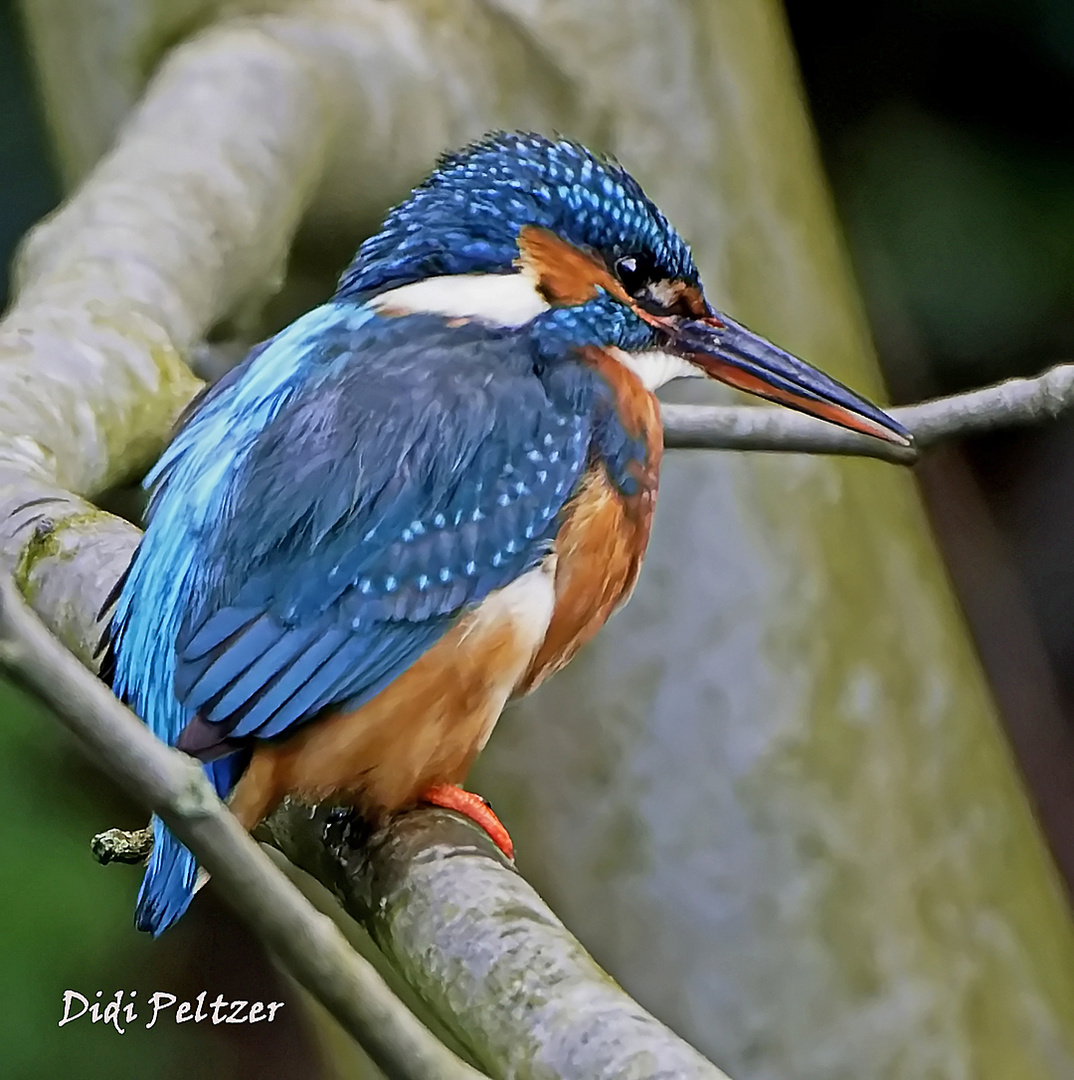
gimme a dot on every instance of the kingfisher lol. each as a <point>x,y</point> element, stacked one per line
<point>420,499</point>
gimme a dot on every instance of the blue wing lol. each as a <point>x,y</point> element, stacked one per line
<point>321,518</point>
<point>422,469</point>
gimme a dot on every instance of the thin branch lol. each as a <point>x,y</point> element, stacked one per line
<point>131,846</point>
<point>308,944</point>
<point>1012,403</point>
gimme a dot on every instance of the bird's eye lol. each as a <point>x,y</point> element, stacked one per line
<point>633,272</point>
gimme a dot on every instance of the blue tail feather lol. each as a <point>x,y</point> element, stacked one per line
<point>170,877</point>
<point>168,885</point>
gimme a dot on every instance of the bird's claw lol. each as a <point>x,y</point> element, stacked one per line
<point>477,809</point>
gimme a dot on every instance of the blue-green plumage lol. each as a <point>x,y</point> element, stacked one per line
<point>321,520</point>
<point>363,481</point>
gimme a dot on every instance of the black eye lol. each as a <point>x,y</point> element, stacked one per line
<point>634,272</point>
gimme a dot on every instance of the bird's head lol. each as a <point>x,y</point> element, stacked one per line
<point>520,230</point>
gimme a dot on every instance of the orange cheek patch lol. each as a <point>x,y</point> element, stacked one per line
<point>565,274</point>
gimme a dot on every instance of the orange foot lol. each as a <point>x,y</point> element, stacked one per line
<point>452,797</point>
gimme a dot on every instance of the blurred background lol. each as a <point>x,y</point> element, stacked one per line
<point>948,136</point>
<point>944,128</point>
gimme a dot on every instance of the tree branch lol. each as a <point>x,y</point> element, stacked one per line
<point>175,787</point>
<point>182,224</point>
<point>431,886</point>
<point>426,891</point>
<point>1007,404</point>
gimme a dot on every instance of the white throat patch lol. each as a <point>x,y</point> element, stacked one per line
<point>497,299</point>
<point>655,367</point>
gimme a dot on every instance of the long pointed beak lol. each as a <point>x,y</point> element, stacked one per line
<point>725,350</point>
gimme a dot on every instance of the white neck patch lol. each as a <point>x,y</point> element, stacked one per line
<point>512,300</point>
<point>497,299</point>
<point>656,367</point>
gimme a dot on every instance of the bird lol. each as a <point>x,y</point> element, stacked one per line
<point>417,501</point>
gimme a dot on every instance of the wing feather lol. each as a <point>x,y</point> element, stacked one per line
<point>379,502</point>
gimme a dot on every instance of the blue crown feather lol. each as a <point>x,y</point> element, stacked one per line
<point>465,218</point>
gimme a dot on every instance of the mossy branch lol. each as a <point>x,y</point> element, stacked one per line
<point>427,889</point>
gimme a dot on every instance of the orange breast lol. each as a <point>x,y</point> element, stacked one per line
<point>422,730</point>
<point>601,543</point>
